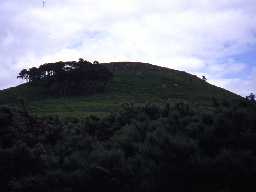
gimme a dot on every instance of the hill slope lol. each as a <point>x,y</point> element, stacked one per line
<point>132,82</point>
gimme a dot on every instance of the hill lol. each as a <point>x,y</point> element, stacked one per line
<point>205,143</point>
<point>132,82</point>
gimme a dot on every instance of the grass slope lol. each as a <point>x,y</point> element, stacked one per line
<point>132,82</point>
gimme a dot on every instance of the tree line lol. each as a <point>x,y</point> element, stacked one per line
<point>66,78</point>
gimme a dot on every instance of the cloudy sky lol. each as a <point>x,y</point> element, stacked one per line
<point>215,38</point>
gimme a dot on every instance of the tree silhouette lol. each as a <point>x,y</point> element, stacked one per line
<point>250,97</point>
<point>23,74</point>
<point>69,77</point>
<point>80,60</point>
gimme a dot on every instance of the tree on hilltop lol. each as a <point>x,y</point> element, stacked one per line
<point>250,97</point>
<point>69,77</point>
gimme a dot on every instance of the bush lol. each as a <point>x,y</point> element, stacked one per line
<point>139,148</point>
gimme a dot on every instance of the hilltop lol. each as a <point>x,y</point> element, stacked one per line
<point>132,82</point>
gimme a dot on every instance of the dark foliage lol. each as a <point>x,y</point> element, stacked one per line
<point>147,148</point>
<point>69,78</point>
<point>204,78</point>
<point>251,98</point>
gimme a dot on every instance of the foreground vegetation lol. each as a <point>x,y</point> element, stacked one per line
<point>140,148</point>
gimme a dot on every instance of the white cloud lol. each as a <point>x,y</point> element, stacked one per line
<point>199,36</point>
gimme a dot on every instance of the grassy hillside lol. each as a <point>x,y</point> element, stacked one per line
<point>132,82</point>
